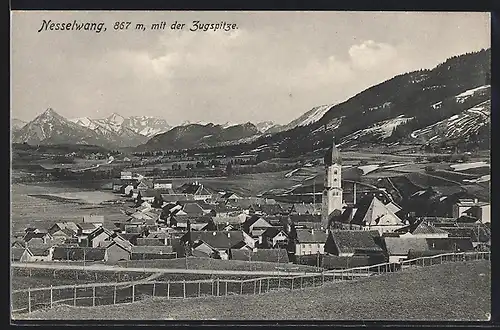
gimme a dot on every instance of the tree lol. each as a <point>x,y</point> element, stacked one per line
<point>229,169</point>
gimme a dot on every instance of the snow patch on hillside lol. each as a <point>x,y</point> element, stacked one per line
<point>382,129</point>
<point>466,166</point>
<point>462,124</point>
<point>462,97</point>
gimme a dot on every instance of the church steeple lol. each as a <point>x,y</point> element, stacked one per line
<point>332,193</point>
<point>333,155</point>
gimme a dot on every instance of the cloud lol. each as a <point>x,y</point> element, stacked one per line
<point>370,54</point>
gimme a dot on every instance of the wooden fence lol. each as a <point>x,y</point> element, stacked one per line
<point>96,294</point>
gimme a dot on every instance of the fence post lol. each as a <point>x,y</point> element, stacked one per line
<point>114,295</point>
<point>260,286</point>
<point>51,296</point>
<point>241,287</point>
<point>133,292</point>
<point>322,278</point>
<point>226,287</point>
<point>268,284</point>
<point>184,288</point>
<point>29,300</point>
<point>293,278</point>
<point>154,288</point>
<point>313,280</point>
<point>212,292</point>
<point>218,287</point>
<point>301,281</point>
<point>168,289</point>
<point>30,271</point>
<point>93,295</point>
<point>254,286</point>
<point>279,282</point>
<point>199,288</point>
<point>54,274</point>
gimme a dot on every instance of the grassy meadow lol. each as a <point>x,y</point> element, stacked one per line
<point>449,292</point>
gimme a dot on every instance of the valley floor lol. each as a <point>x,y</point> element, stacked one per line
<point>455,291</point>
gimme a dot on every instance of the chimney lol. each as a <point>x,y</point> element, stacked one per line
<point>475,200</point>
<point>312,231</point>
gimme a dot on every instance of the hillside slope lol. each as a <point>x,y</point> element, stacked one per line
<point>414,294</point>
<point>198,135</point>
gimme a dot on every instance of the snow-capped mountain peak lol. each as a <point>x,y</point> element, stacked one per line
<point>264,126</point>
<point>116,118</point>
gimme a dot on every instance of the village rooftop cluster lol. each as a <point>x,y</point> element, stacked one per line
<point>166,222</point>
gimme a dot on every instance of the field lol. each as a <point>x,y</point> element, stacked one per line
<point>41,212</point>
<point>245,184</point>
<point>22,278</point>
<point>413,294</point>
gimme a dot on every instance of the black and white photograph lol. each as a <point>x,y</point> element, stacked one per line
<point>250,166</point>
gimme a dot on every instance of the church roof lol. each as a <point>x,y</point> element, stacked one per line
<point>333,155</point>
<point>372,212</point>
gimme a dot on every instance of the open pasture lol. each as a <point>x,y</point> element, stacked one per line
<point>413,294</point>
<point>42,213</point>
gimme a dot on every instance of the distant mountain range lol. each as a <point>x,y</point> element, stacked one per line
<point>118,131</point>
<point>447,105</point>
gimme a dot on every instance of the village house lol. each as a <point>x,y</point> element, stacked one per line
<point>255,225</point>
<point>347,243</point>
<point>296,218</point>
<point>148,195</point>
<point>33,238</point>
<point>427,230</point>
<point>217,244</point>
<point>273,237</point>
<point>151,252</point>
<point>398,247</point>
<point>198,191</point>
<point>144,185</point>
<point>84,229</point>
<point>244,203</point>
<point>98,235</point>
<point>162,184</point>
<point>261,255</point>
<point>174,198</point>
<point>40,253</point>
<point>368,214</point>
<point>61,226</point>
<point>450,244</point>
<point>147,241</point>
<point>20,254</point>
<point>18,243</point>
<point>116,185</point>
<point>309,242</point>
<point>229,222</point>
<point>70,253</point>
<point>130,237</point>
<point>93,218</point>
<point>117,249</point>
<point>163,236</point>
<point>229,197</point>
<point>472,207</point>
<point>193,209</point>
<point>267,209</point>
<point>479,233</point>
<point>128,189</point>
<point>126,175</point>
<point>225,210</point>
<point>305,209</point>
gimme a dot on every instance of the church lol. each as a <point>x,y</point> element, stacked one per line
<point>369,213</point>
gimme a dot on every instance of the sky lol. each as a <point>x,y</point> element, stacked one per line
<point>274,66</point>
